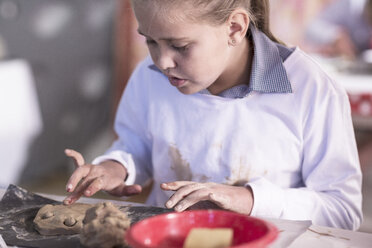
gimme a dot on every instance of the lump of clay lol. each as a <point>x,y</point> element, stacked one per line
<point>60,219</point>
<point>104,226</point>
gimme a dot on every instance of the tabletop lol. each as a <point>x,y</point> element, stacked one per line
<point>292,234</point>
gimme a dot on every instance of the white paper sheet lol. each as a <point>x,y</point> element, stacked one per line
<point>326,237</point>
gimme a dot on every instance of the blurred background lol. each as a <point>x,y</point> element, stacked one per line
<point>64,65</point>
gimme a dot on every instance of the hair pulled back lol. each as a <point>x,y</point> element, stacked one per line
<point>218,11</point>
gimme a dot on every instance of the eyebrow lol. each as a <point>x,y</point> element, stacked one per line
<point>165,38</point>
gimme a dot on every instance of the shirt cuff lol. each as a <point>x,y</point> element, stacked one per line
<point>123,158</point>
<point>268,200</point>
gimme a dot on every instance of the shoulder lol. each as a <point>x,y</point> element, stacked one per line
<point>308,77</point>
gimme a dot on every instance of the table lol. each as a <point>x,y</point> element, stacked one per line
<point>293,234</point>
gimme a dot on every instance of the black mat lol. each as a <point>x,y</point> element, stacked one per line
<point>18,208</point>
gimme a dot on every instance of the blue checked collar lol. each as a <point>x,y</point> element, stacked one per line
<point>268,74</point>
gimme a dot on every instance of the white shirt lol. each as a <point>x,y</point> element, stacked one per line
<point>296,150</point>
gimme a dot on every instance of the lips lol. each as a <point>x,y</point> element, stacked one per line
<point>177,82</point>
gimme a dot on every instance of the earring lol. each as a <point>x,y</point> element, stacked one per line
<point>233,42</point>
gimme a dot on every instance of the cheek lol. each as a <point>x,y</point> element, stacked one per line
<point>208,64</point>
<point>153,53</point>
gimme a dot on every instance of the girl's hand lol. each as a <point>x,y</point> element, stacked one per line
<point>87,179</point>
<point>234,198</point>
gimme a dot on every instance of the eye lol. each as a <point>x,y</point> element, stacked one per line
<point>180,48</point>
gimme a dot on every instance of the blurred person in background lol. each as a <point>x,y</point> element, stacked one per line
<point>343,28</point>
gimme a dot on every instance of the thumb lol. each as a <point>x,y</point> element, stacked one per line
<point>76,156</point>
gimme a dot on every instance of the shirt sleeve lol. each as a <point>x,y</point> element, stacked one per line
<point>331,195</point>
<point>132,147</point>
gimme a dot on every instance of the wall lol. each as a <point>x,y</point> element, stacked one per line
<point>69,45</point>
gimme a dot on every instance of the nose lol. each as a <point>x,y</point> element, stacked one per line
<point>165,61</point>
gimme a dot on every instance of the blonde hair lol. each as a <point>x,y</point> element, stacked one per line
<point>218,11</point>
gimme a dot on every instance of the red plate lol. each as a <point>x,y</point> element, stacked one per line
<point>171,229</point>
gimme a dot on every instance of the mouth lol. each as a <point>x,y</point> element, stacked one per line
<point>177,82</point>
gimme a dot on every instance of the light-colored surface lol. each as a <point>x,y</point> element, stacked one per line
<point>209,237</point>
<point>20,117</point>
<point>316,236</point>
<point>294,234</point>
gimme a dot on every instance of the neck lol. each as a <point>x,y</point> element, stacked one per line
<point>238,70</point>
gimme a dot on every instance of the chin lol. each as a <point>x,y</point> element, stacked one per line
<point>187,90</point>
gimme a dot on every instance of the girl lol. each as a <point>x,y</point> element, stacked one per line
<point>223,113</point>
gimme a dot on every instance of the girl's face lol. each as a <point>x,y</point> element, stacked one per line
<point>192,55</point>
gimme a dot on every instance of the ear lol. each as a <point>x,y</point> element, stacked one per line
<point>238,24</point>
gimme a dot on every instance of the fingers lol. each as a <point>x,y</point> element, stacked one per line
<point>191,194</point>
<point>187,195</point>
<point>191,199</point>
<point>91,186</point>
<point>175,185</point>
<point>88,187</point>
<point>78,174</point>
<point>76,156</point>
<point>72,198</point>
<point>75,178</point>
<point>77,193</point>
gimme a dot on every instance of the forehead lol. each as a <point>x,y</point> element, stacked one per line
<point>165,8</point>
<point>156,20</point>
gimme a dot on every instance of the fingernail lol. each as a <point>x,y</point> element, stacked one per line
<point>87,192</point>
<point>67,201</point>
<point>178,208</point>
<point>69,187</point>
<point>169,204</point>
